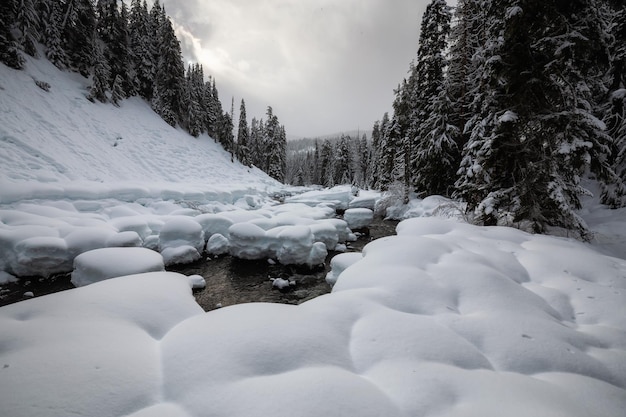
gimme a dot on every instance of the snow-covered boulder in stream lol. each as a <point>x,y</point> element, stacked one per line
<point>105,263</point>
<point>358,218</point>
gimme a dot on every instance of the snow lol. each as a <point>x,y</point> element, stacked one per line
<point>358,218</point>
<point>100,264</point>
<point>444,319</point>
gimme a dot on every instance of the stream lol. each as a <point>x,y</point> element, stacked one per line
<point>229,280</point>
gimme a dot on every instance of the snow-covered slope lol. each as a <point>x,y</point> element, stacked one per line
<point>54,142</point>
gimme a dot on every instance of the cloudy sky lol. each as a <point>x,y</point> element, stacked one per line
<point>325,66</point>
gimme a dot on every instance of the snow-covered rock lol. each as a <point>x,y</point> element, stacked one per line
<point>340,263</point>
<point>181,231</point>
<point>358,218</point>
<point>105,263</point>
<point>217,245</point>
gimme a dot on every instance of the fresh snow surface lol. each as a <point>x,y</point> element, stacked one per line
<point>445,319</point>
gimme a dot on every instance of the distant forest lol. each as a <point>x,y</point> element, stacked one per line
<point>134,52</point>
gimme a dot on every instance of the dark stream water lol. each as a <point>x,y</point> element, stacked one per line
<point>229,280</point>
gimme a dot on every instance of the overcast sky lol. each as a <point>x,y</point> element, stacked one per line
<point>325,66</point>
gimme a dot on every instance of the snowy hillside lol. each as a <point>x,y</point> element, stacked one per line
<point>56,141</point>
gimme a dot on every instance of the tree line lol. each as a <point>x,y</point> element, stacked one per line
<point>135,52</point>
<point>508,106</point>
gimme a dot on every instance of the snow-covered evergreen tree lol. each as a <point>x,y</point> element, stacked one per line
<point>536,134</point>
<point>141,48</point>
<point>9,49</point>
<point>52,35</point>
<point>78,30</point>
<point>432,142</point>
<point>27,24</point>
<point>101,73</point>
<point>170,75</point>
<point>243,134</point>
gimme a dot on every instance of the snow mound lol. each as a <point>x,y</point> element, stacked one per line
<point>443,319</point>
<point>358,218</point>
<point>100,264</point>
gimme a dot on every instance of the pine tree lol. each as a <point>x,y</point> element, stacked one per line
<point>388,147</point>
<point>141,49</point>
<point>78,29</point>
<point>432,148</point>
<point>326,164</point>
<point>614,192</point>
<point>117,91</point>
<point>101,74</point>
<point>27,23</point>
<point>343,162</point>
<point>170,76</point>
<point>374,156</point>
<point>52,36</point>
<point>9,49</point>
<point>243,150</point>
<point>536,134</point>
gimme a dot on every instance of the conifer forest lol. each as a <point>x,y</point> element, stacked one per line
<point>510,107</point>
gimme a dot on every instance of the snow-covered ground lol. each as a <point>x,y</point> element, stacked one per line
<point>445,319</point>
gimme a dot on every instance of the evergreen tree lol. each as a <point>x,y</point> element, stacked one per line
<point>256,128</point>
<point>614,192</point>
<point>9,49</point>
<point>326,164</point>
<point>117,91</point>
<point>226,137</point>
<point>52,36</point>
<point>100,75</point>
<point>374,156</point>
<point>243,150</point>
<point>535,134</point>
<point>170,76</point>
<point>78,29</point>
<point>27,23</point>
<point>434,155</point>
<point>343,162</point>
<point>389,132</point>
<point>141,48</point>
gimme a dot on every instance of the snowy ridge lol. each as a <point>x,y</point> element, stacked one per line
<point>443,319</point>
<point>54,143</point>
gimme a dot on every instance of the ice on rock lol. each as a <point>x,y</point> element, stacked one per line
<point>248,241</point>
<point>217,245</point>
<point>101,264</point>
<point>340,263</point>
<point>181,231</point>
<point>358,218</point>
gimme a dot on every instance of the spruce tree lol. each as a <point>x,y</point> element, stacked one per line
<point>9,49</point>
<point>535,134</point>
<point>170,75</point>
<point>243,150</point>
<point>52,36</point>
<point>79,27</point>
<point>141,49</point>
<point>27,24</point>
<point>434,155</point>
<point>100,74</point>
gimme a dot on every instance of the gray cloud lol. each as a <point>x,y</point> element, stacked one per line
<point>324,65</point>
